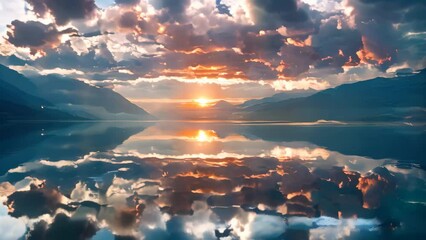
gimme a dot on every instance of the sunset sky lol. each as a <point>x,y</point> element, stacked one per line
<point>160,51</point>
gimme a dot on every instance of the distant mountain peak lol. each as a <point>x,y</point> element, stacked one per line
<point>223,104</point>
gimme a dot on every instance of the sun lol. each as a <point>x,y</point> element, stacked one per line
<point>202,102</point>
<point>206,136</point>
<point>202,136</point>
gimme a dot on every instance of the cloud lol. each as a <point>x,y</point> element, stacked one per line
<point>63,227</point>
<point>287,44</point>
<point>337,45</point>
<point>35,202</point>
<point>267,227</point>
<point>174,10</point>
<point>64,10</point>
<point>190,197</point>
<point>128,20</point>
<point>182,37</point>
<point>304,84</point>
<point>384,25</point>
<point>272,14</point>
<point>376,186</point>
<point>11,228</point>
<point>127,2</point>
<point>35,35</point>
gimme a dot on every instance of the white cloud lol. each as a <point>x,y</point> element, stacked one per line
<point>305,84</point>
<point>10,228</point>
<point>267,227</point>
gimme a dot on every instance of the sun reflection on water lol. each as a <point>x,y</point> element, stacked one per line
<point>206,136</point>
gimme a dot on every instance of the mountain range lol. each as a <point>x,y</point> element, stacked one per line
<point>278,97</point>
<point>54,97</point>
<point>400,98</point>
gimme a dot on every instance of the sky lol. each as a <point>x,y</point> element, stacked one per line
<point>156,51</point>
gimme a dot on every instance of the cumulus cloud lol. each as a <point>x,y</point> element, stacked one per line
<point>63,227</point>
<point>35,202</point>
<point>63,10</point>
<point>191,197</point>
<point>284,11</point>
<point>287,44</point>
<point>384,26</point>
<point>35,35</point>
<point>11,228</point>
<point>267,227</point>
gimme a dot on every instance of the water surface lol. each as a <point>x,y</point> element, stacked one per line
<point>195,180</point>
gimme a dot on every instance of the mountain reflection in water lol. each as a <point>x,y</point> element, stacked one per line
<point>214,180</point>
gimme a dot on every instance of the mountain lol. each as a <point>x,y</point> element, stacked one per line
<point>27,142</point>
<point>223,105</point>
<point>379,99</point>
<point>16,104</point>
<point>82,99</point>
<point>66,95</point>
<point>278,97</point>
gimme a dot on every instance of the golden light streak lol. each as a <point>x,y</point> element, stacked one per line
<point>202,175</point>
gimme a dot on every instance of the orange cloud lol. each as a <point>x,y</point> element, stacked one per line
<point>201,71</point>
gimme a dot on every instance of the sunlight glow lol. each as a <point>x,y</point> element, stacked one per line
<point>206,136</point>
<point>202,102</point>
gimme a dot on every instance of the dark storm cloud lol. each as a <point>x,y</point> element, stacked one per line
<point>256,70</point>
<point>35,202</point>
<point>261,45</point>
<point>128,20</point>
<point>384,26</point>
<point>63,10</point>
<point>226,36</point>
<point>63,227</point>
<point>341,45</point>
<point>297,59</point>
<point>272,14</point>
<point>35,34</point>
<point>95,34</point>
<point>182,37</point>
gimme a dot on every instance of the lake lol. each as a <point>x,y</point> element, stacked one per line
<point>212,180</point>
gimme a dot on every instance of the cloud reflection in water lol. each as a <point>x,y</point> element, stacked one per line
<point>185,181</point>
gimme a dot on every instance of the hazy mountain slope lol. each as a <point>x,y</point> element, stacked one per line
<point>17,80</point>
<point>78,97</point>
<point>278,97</point>
<point>380,99</point>
<point>65,94</point>
<point>16,104</point>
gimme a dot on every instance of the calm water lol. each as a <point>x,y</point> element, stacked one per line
<point>212,180</point>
